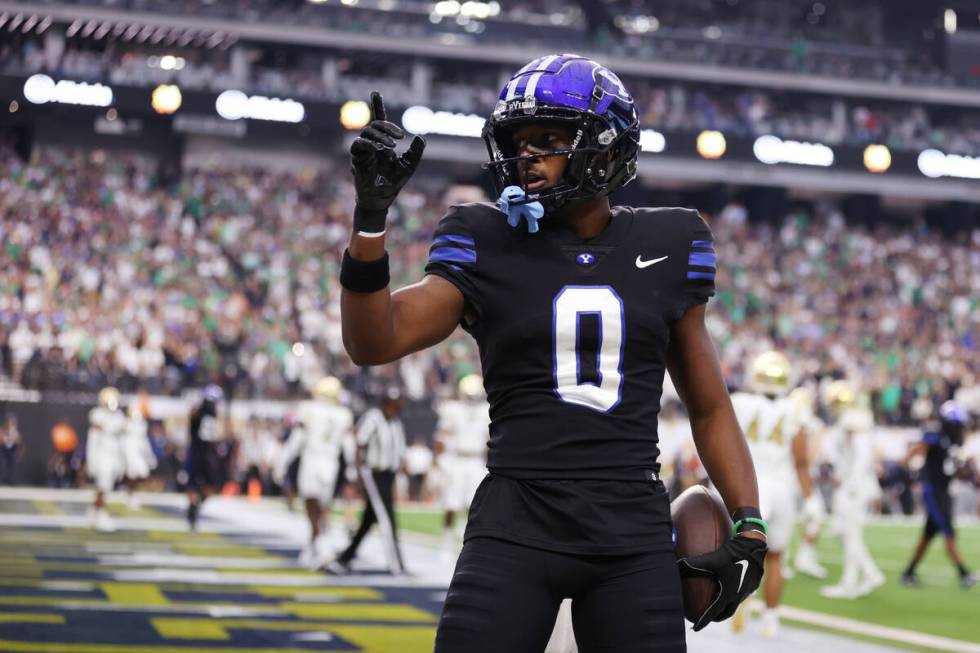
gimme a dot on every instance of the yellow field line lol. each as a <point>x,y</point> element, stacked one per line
<point>367,638</point>
<point>143,594</point>
<point>30,618</point>
<point>9,646</point>
<point>47,507</point>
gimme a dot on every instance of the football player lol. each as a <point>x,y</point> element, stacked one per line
<point>940,447</point>
<point>463,433</point>
<point>773,425</point>
<point>137,452</point>
<point>838,395</point>
<point>316,438</point>
<point>104,456</point>
<point>578,308</point>
<point>857,489</point>
<point>203,463</point>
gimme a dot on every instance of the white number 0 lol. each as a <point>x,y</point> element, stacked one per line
<point>569,306</point>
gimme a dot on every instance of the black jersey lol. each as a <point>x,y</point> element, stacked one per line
<point>573,336</point>
<point>940,464</point>
<point>204,427</point>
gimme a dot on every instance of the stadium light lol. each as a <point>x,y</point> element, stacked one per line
<point>446,8</point>
<point>877,158</point>
<point>423,120</point>
<point>771,149</point>
<point>637,24</point>
<point>170,62</point>
<point>711,144</point>
<point>166,99</point>
<point>41,89</point>
<point>652,141</point>
<point>949,21</point>
<point>355,114</point>
<point>934,164</point>
<point>234,105</point>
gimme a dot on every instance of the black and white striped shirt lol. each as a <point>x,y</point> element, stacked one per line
<point>384,440</point>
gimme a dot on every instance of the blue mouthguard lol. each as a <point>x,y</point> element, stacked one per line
<point>531,212</point>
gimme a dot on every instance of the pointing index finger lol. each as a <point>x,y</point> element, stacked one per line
<point>377,106</point>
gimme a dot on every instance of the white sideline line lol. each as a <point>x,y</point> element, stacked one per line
<point>883,632</point>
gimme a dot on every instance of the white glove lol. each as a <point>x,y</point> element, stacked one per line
<point>813,509</point>
<point>279,474</point>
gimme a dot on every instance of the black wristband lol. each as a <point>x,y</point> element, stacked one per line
<point>364,276</point>
<point>369,223</point>
<point>748,518</point>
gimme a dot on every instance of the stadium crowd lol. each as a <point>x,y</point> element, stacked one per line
<point>111,275</point>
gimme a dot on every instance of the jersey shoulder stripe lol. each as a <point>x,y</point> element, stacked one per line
<point>453,254</point>
<point>448,239</point>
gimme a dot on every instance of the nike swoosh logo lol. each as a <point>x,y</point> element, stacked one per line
<point>640,263</point>
<point>745,568</point>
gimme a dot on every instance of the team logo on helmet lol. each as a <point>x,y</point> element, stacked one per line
<point>588,99</point>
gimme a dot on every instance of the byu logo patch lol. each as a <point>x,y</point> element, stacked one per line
<point>585,258</point>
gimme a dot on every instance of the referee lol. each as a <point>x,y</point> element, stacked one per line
<point>380,448</point>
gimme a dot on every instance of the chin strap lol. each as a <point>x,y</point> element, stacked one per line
<point>531,212</point>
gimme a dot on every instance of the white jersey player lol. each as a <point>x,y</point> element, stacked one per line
<point>812,517</point>
<point>856,489</point>
<point>104,452</point>
<point>464,428</point>
<point>773,426</point>
<point>321,426</point>
<point>138,456</point>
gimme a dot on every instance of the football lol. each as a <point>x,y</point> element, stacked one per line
<point>701,525</point>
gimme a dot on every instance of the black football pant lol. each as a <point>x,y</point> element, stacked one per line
<point>939,511</point>
<point>379,491</point>
<point>505,597</point>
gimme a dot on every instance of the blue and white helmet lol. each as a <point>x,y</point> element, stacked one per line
<point>591,100</point>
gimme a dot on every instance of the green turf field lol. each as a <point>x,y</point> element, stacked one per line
<point>940,607</point>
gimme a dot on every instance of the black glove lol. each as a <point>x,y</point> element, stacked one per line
<point>379,173</point>
<point>737,565</point>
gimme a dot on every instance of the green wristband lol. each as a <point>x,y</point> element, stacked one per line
<point>750,520</point>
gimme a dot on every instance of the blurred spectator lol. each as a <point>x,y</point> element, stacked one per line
<point>11,450</point>
<point>63,469</point>
<point>230,275</point>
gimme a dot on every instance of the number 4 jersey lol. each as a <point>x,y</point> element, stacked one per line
<point>573,336</point>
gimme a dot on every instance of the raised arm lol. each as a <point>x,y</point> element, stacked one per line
<point>380,326</point>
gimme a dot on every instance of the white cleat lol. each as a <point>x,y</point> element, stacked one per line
<point>322,552</point>
<point>306,555</point>
<point>870,585</point>
<point>806,563</point>
<point>103,522</point>
<point>840,592</point>
<point>770,624</point>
